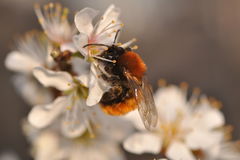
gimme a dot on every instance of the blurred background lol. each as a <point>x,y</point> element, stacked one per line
<point>193,41</point>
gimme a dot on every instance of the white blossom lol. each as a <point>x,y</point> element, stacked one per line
<point>226,150</point>
<point>50,143</point>
<point>54,21</point>
<point>183,127</point>
<point>32,50</point>
<point>71,104</point>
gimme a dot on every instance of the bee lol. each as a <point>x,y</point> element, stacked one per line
<point>124,70</point>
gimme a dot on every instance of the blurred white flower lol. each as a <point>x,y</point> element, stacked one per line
<point>50,143</point>
<point>71,103</point>
<point>183,128</point>
<point>102,33</point>
<point>225,151</point>
<point>54,21</point>
<point>32,50</point>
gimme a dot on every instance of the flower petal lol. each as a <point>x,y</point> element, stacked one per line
<point>80,66</point>
<point>79,41</point>
<point>60,80</point>
<point>68,47</point>
<point>179,151</point>
<point>43,115</point>
<point>140,143</point>
<point>135,118</point>
<point>207,117</point>
<point>84,79</point>
<point>47,146</point>
<point>20,62</point>
<point>83,20</point>
<point>115,128</point>
<point>111,15</point>
<point>99,150</point>
<point>75,119</point>
<point>170,102</point>
<point>31,91</point>
<point>226,151</point>
<point>75,132</point>
<point>96,87</point>
<point>200,139</point>
<point>95,92</point>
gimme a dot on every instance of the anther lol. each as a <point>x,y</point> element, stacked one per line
<point>134,47</point>
<point>68,107</point>
<point>196,91</point>
<point>36,6</point>
<point>119,44</point>
<point>162,83</point>
<point>51,5</point>
<point>55,53</point>
<point>184,85</point>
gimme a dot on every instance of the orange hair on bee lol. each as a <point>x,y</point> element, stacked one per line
<point>133,63</point>
<point>120,108</point>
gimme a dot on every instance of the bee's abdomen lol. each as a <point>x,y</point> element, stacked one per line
<point>133,63</point>
<point>120,108</point>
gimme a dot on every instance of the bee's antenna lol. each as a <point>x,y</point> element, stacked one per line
<point>116,36</point>
<point>93,44</point>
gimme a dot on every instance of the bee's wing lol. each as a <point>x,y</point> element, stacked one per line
<point>145,101</point>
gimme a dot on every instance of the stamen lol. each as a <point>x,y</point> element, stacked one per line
<point>69,107</point>
<point>55,53</point>
<point>134,47</point>
<point>51,5</point>
<point>194,98</point>
<point>89,128</point>
<point>196,91</point>
<point>118,44</point>
<point>125,45</point>
<point>104,59</point>
<point>215,103</point>
<point>228,132</point>
<point>184,87</point>
<point>108,28</point>
<point>53,19</point>
<point>162,83</point>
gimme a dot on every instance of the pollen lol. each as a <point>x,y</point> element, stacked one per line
<point>120,108</point>
<point>184,85</point>
<point>51,5</point>
<point>196,91</point>
<point>69,107</point>
<point>133,63</point>
<point>119,44</point>
<point>134,47</point>
<point>41,20</point>
<point>215,103</point>
<point>162,83</point>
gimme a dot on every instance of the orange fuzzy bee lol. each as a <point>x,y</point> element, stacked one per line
<point>124,70</point>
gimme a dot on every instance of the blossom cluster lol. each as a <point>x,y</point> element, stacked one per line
<point>58,75</point>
